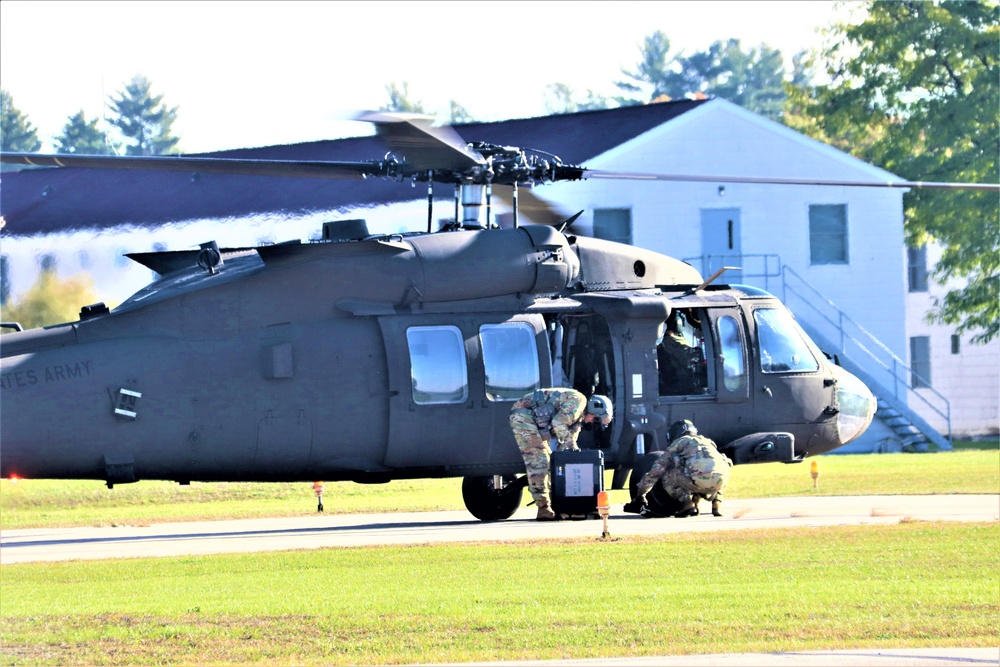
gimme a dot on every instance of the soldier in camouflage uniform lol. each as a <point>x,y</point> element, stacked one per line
<point>551,413</point>
<point>691,468</point>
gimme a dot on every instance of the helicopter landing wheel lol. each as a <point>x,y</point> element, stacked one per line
<point>486,502</point>
<point>657,500</point>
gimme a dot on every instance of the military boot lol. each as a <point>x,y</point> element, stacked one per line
<point>689,509</point>
<point>545,513</point>
<point>716,507</point>
<point>635,506</point>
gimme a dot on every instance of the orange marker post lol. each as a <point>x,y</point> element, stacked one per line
<point>318,488</point>
<point>604,509</point>
<point>814,471</point>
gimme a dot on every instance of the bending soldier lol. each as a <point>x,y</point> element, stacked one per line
<point>546,414</point>
<point>691,468</point>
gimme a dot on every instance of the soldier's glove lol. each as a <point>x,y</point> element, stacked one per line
<point>635,506</point>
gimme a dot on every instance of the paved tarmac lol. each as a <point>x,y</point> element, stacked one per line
<point>902,657</point>
<point>331,530</point>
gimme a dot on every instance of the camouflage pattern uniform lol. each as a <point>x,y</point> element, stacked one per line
<point>691,468</point>
<point>674,357</point>
<point>527,420</point>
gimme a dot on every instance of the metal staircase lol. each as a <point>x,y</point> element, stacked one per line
<point>857,350</point>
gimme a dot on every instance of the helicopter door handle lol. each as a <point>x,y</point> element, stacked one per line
<point>767,390</point>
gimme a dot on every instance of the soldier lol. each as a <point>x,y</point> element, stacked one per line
<point>691,468</point>
<point>675,357</point>
<point>548,413</point>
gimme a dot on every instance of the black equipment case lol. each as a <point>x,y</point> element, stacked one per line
<point>577,478</point>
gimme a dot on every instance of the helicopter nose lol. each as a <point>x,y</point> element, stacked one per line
<point>857,406</point>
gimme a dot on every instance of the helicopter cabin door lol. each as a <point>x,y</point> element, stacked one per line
<point>452,381</point>
<point>720,243</point>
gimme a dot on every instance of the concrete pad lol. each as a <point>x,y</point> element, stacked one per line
<point>322,531</point>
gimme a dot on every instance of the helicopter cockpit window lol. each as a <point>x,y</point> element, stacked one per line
<point>437,365</point>
<point>734,370</point>
<point>680,355</point>
<point>510,359</point>
<point>782,347</point>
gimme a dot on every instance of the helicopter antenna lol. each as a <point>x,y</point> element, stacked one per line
<point>711,279</point>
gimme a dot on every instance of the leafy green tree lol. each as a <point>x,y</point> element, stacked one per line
<point>399,99</point>
<point>458,114</point>
<point>915,89</point>
<point>753,79</point>
<point>82,136</point>
<point>560,98</point>
<point>16,133</point>
<point>143,119</point>
<point>51,300</point>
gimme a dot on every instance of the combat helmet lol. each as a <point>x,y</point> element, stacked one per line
<point>682,427</point>
<point>600,407</point>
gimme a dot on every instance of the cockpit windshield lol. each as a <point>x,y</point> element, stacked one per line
<point>783,348</point>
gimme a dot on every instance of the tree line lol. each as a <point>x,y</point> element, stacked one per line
<point>140,121</point>
<point>914,89</point>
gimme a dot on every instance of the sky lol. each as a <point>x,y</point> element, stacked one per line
<point>246,74</point>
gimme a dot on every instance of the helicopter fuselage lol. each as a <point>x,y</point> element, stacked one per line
<point>400,356</point>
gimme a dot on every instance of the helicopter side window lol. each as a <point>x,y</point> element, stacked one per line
<point>680,355</point>
<point>782,347</point>
<point>437,365</point>
<point>510,358</point>
<point>734,370</point>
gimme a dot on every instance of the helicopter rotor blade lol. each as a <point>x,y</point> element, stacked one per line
<point>763,180</point>
<point>420,145</point>
<point>204,165</point>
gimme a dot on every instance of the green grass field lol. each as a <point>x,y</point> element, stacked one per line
<point>52,503</point>
<point>906,585</point>
<point>911,584</point>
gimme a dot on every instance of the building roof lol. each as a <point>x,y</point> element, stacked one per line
<point>49,200</point>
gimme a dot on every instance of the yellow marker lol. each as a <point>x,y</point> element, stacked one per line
<point>814,471</point>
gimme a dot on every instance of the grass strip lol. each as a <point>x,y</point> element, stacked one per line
<point>911,584</point>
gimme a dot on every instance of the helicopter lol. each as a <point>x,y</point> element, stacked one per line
<point>374,357</point>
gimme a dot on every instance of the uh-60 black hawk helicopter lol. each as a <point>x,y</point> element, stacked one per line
<point>379,357</point>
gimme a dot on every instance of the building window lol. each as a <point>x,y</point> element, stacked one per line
<point>956,344</point>
<point>828,234</point>
<point>437,365</point>
<point>920,362</point>
<point>916,266</point>
<point>510,359</point>
<point>613,224</point>
<point>47,262</point>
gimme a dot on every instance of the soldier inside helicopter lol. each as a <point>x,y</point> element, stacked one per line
<point>680,355</point>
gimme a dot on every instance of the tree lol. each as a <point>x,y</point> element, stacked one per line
<point>560,98</point>
<point>399,99</point>
<point>82,136</point>
<point>458,114</point>
<point>16,133</point>
<point>915,89</point>
<point>143,119</point>
<point>753,79</point>
<point>51,300</point>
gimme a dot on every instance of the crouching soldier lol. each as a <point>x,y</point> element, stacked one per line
<point>546,414</point>
<point>691,468</point>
